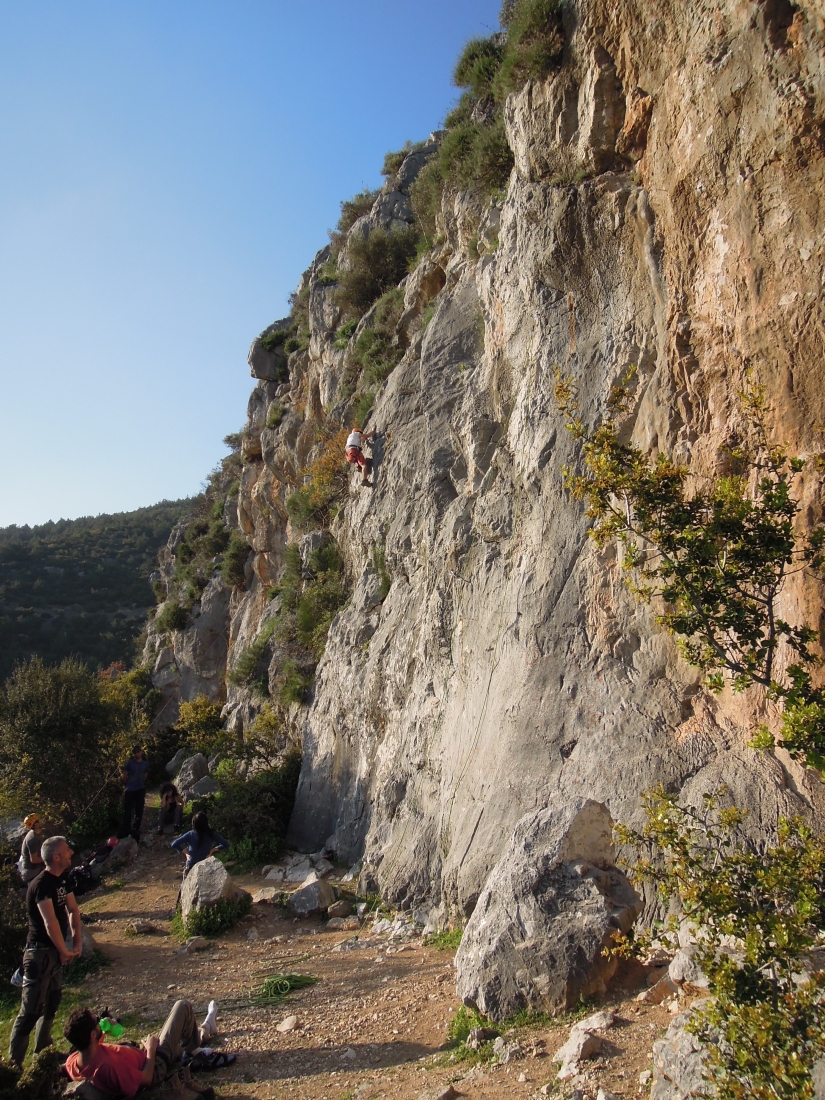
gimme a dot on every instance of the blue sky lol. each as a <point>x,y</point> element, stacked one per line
<point>168,168</point>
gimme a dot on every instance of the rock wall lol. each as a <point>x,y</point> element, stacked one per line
<point>665,211</point>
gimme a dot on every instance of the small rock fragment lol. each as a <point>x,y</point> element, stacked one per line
<point>140,928</point>
<point>194,943</point>
<point>599,1021</point>
<point>522,1077</point>
<point>663,990</point>
<point>603,1094</point>
<point>449,1093</point>
<point>348,1055</point>
<point>253,934</point>
<point>288,1024</point>
<point>265,894</point>
<point>479,1035</point>
<point>645,1076</point>
<point>341,908</point>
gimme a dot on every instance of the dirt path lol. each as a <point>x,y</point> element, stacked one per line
<point>369,1028</point>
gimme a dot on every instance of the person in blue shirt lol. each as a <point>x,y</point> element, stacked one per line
<point>134,776</point>
<point>200,842</point>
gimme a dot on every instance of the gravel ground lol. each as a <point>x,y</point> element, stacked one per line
<point>374,1025</point>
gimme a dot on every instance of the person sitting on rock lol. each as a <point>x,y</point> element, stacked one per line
<point>31,861</point>
<point>354,452</point>
<point>200,842</point>
<point>171,807</point>
<point>120,1069</point>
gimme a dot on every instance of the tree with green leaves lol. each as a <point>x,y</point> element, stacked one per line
<point>757,919</point>
<point>714,553</point>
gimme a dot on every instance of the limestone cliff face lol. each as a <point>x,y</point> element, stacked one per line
<point>666,210</point>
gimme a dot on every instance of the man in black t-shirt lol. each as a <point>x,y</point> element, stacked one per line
<point>52,911</point>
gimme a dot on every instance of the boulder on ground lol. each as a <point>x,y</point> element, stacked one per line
<point>125,851</point>
<point>193,769</point>
<point>340,908</point>
<point>88,946</point>
<point>312,897</point>
<point>299,871</point>
<point>678,1062</point>
<point>265,894</point>
<point>206,884</point>
<point>173,767</point>
<point>549,907</point>
<point>203,787</point>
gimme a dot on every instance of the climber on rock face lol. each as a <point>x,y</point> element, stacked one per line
<point>354,452</point>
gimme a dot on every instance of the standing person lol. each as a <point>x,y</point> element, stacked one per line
<point>31,861</point>
<point>354,453</point>
<point>134,796</point>
<point>171,807</point>
<point>200,842</point>
<point>52,912</point>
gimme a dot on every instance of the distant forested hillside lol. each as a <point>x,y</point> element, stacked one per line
<point>80,587</point>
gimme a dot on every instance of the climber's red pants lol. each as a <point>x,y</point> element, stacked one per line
<point>356,456</point>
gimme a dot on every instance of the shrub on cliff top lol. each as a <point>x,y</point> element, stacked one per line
<point>351,210</point>
<point>535,42</point>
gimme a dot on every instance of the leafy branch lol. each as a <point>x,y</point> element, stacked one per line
<point>716,552</point>
<point>756,917</point>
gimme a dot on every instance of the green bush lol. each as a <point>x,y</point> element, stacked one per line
<point>393,161</point>
<point>212,920</point>
<point>344,334</point>
<point>363,407</point>
<point>274,415</point>
<point>474,153</point>
<point>764,1028</point>
<point>200,727</point>
<point>59,739</point>
<point>535,43</point>
<point>294,683</point>
<point>323,596</point>
<point>274,340</point>
<point>255,812</point>
<point>478,65</point>
<point>234,561</point>
<point>173,616</point>
<point>245,665</point>
<point>377,351</point>
<point>351,210</point>
<point>376,263</point>
<point>294,343</point>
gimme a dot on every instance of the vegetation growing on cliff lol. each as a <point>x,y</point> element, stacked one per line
<point>80,587</point>
<point>757,916</point>
<point>715,554</point>
<point>474,153</point>
<point>206,544</point>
